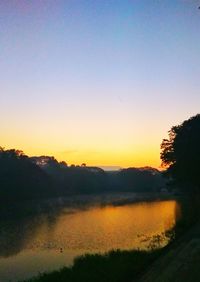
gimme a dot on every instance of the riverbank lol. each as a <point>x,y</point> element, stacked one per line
<point>33,207</point>
<point>115,266</point>
<point>179,261</point>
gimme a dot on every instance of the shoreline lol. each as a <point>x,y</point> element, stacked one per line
<point>79,202</point>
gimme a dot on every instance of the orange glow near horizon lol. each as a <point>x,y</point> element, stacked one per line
<point>130,156</point>
<point>110,143</point>
<point>123,142</point>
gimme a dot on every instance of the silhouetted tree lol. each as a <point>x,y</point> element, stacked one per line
<point>180,153</point>
<point>21,179</point>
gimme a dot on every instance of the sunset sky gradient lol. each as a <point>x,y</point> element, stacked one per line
<point>99,82</point>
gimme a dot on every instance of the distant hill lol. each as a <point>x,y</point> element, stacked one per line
<point>110,168</point>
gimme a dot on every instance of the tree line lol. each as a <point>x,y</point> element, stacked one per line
<point>23,178</point>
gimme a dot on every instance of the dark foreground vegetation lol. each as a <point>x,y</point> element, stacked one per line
<point>115,266</point>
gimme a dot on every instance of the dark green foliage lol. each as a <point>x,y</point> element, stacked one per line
<point>20,179</point>
<point>115,266</point>
<point>73,179</point>
<point>24,178</point>
<point>180,153</point>
<point>87,180</point>
<point>140,180</point>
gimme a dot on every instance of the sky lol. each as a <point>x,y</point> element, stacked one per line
<point>99,82</point>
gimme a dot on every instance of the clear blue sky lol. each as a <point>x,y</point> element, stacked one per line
<point>99,82</point>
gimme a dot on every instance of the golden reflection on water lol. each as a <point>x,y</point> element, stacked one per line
<point>58,239</point>
<point>101,229</point>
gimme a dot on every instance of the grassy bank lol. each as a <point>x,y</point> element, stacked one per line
<point>114,266</point>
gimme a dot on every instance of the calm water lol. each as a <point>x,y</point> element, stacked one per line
<point>46,242</point>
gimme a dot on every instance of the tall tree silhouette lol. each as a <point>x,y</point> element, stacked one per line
<point>22,179</point>
<point>180,153</point>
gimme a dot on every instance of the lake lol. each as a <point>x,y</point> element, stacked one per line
<point>48,241</point>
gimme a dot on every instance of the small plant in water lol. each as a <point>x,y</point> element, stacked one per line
<point>159,240</point>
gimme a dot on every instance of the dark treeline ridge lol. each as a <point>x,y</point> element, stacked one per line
<point>24,178</point>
